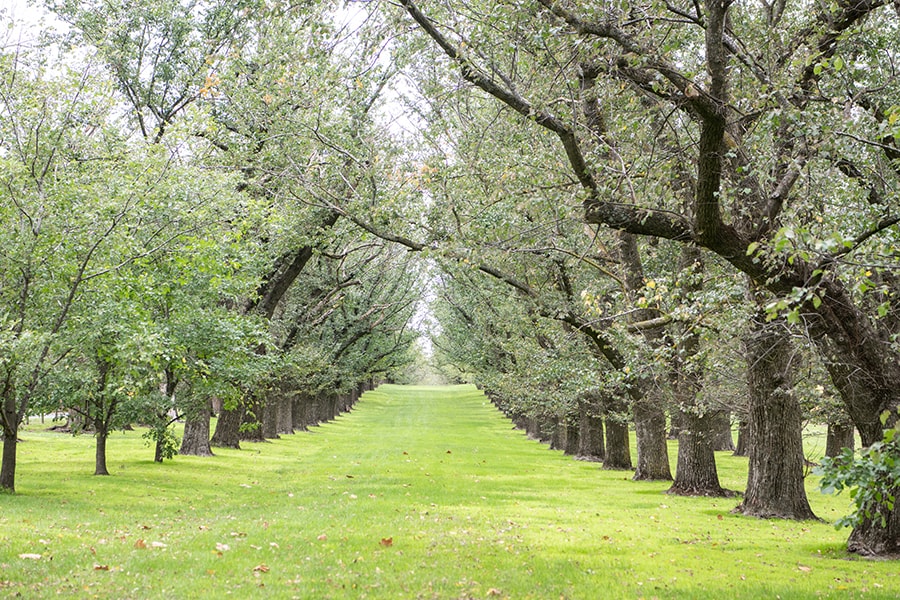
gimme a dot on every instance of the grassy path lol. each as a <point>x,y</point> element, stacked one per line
<point>418,493</point>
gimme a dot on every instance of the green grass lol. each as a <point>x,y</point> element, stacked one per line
<point>474,510</point>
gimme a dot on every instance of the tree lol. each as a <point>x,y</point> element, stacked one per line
<point>82,205</point>
<point>687,82</point>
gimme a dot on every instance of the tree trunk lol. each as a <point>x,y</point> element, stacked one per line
<point>100,455</point>
<point>8,465</point>
<point>284,414</point>
<point>618,448</point>
<point>312,411</point>
<point>572,442</point>
<point>652,449</point>
<point>299,412</point>
<point>557,434</point>
<point>862,366</point>
<point>251,429</point>
<point>775,479</point>
<point>196,432</point>
<point>675,426</point>
<point>269,425</point>
<point>743,443</point>
<point>228,428</point>
<point>871,539</point>
<point>590,432</point>
<point>721,431</point>
<point>647,406</point>
<point>840,436</point>
<point>696,473</point>
<point>519,421</point>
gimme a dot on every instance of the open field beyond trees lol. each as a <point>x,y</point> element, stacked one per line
<point>419,492</point>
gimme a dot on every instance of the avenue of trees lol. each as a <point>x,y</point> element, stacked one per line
<point>669,219</point>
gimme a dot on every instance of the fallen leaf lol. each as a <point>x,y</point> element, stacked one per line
<point>101,567</point>
<point>222,547</point>
<point>804,568</point>
<point>388,541</point>
<point>30,556</point>
<point>349,476</point>
<point>720,517</point>
<point>146,527</point>
<point>448,452</point>
<point>93,550</point>
<point>406,453</point>
<point>494,592</point>
<point>140,544</point>
<point>322,537</point>
<point>158,545</point>
<point>260,569</point>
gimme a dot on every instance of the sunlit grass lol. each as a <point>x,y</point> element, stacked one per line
<point>418,493</point>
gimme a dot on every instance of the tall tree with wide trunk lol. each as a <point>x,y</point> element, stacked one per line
<point>775,482</point>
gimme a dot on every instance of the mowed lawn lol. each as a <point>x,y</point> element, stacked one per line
<point>419,492</point>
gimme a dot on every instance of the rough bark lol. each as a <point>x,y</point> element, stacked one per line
<point>652,449</point>
<point>572,443</point>
<point>647,407</point>
<point>300,412</point>
<point>871,539</point>
<point>696,473</point>
<point>195,441</point>
<point>557,434</point>
<point>840,436</point>
<point>228,428</point>
<point>590,432</point>
<point>269,425</point>
<point>743,443</point>
<point>618,448</point>
<point>284,413</point>
<point>723,441</point>
<point>775,478</point>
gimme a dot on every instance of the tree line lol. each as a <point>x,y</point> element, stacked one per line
<point>662,218</point>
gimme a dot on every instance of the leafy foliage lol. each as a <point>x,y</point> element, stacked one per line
<point>872,476</point>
